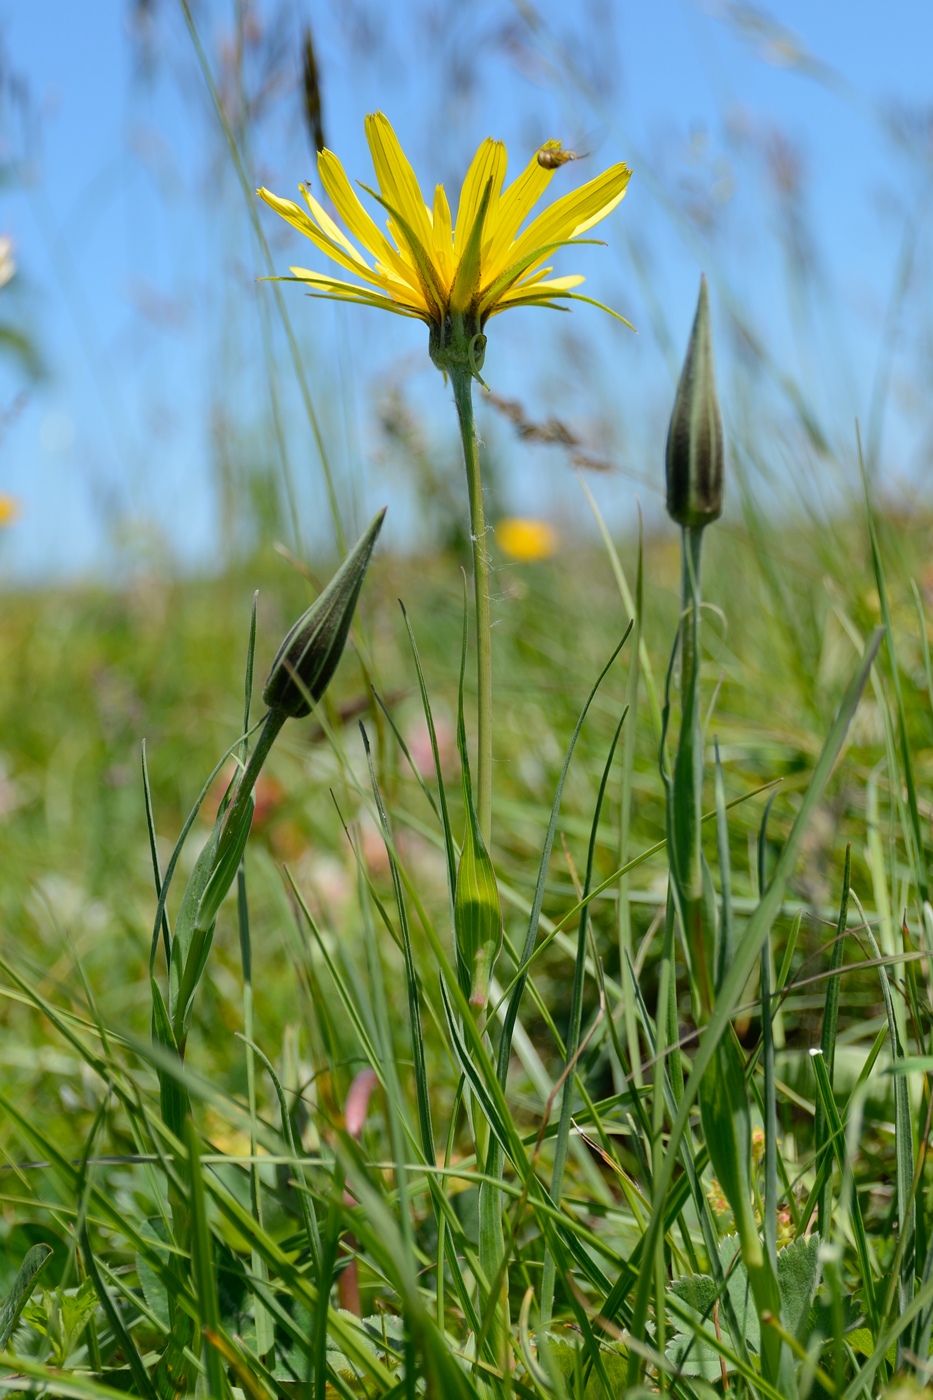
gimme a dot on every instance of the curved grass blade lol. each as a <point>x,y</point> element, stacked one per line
<point>154,854</point>
<point>441,790</point>
<point>913,836</point>
<point>767,1054</point>
<point>573,1036</point>
<point>422,1091</point>
<point>903,1137</point>
<point>725,942</point>
<point>518,986</point>
<point>27,1276</point>
<point>828,1042</point>
<point>265,1333</point>
<point>756,932</point>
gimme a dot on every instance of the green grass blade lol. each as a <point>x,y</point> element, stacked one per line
<point>265,1333</point>
<point>767,1055</point>
<point>441,789</point>
<point>154,855</point>
<point>837,1133</point>
<point>828,1040</point>
<point>179,846</point>
<point>176,1105</point>
<point>573,1035</point>
<point>756,932</point>
<point>531,934</point>
<point>626,947</point>
<point>916,846</point>
<point>422,1091</point>
<point>903,1135</point>
<point>248,674</point>
<point>134,1361</point>
<point>27,1276</point>
<point>725,945</point>
<point>309,1219</point>
<point>629,602</point>
<point>205,1281</point>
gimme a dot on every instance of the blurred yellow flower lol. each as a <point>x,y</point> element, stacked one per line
<point>9,510</point>
<point>526,539</point>
<point>451,275</point>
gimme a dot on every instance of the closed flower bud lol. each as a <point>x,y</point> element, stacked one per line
<point>694,457</point>
<point>308,657</point>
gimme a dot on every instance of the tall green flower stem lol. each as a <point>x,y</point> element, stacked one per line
<point>723,1096</point>
<point>477,912</point>
<point>463,397</point>
<point>687,806</point>
<point>694,465</point>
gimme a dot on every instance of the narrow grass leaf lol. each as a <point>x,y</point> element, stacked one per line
<point>422,1091</point>
<point>202,1251</point>
<point>27,1276</point>
<point>154,856</point>
<point>828,1038</point>
<point>573,1035</point>
<point>730,993</point>
<point>915,845</point>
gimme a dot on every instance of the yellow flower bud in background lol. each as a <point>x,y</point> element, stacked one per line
<point>694,457</point>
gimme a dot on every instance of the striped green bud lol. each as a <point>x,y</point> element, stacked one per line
<point>308,657</point>
<point>694,457</point>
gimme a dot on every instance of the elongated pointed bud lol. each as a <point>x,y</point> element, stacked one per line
<point>695,452</point>
<point>308,657</point>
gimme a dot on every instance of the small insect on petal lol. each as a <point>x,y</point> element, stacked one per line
<point>552,157</point>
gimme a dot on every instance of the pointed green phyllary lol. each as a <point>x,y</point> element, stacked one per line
<point>694,457</point>
<point>308,657</point>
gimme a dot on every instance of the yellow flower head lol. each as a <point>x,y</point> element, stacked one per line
<point>453,276</point>
<point>526,540</point>
<point>9,510</point>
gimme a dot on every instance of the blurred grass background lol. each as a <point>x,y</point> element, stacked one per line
<point>157,455</point>
<point>180,488</point>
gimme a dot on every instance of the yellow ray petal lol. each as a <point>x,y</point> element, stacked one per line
<point>323,220</point>
<point>351,210</point>
<point>397,180</point>
<point>297,217</point>
<point>419,254</point>
<point>442,240</point>
<point>338,290</point>
<point>514,206</point>
<point>577,211</point>
<point>387,284</point>
<point>486,168</point>
<point>363,301</point>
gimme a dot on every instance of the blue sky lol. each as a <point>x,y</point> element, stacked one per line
<point>137,267</point>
